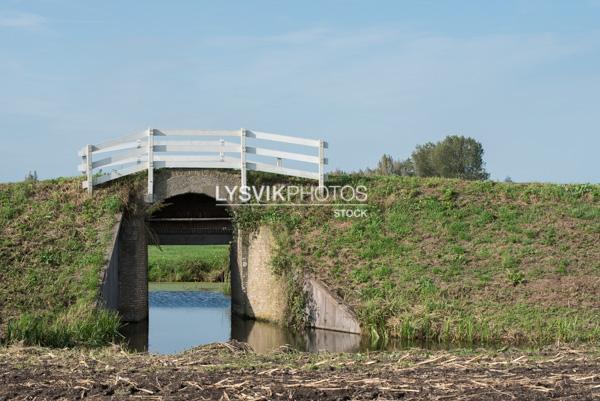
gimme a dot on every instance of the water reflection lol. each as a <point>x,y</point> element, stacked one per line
<point>183,319</point>
<point>332,341</point>
<point>136,335</point>
<point>180,320</point>
<point>264,337</point>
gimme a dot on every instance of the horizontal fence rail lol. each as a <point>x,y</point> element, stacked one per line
<point>188,148</point>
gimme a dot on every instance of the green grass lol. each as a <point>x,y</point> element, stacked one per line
<point>176,263</point>
<point>436,260</point>
<point>53,242</point>
<point>447,260</point>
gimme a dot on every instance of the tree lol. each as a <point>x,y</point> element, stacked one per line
<point>31,177</point>
<point>454,157</point>
<point>459,157</point>
<point>423,160</point>
<point>385,166</point>
<point>388,166</point>
<point>404,168</point>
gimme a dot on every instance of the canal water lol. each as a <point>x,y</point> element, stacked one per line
<point>185,315</point>
<point>183,319</point>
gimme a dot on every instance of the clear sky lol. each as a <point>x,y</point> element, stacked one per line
<point>371,77</point>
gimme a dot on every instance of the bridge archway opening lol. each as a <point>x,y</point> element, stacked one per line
<point>191,205</point>
<point>190,219</point>
<point>188,239</point>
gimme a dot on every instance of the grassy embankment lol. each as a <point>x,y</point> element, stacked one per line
<point>452,261</point>
<point>183,263</point>
<point>441,260</point>
<point>53,242</point>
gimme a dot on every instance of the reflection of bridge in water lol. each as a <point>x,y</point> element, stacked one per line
<point>264,337</point>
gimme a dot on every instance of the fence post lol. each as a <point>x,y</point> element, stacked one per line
<point>150,196</point>
<point>321,164</point>
<point>243,157</point>
<point>88,168</point>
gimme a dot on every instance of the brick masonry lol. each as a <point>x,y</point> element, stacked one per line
<point>133,269</point>
<point>125,280</point>
<point>257,292</point>
<point>171,182</point>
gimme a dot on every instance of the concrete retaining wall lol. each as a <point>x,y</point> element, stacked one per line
<point>109,288</point>
<point>257,292</point>
<point>326,311</point>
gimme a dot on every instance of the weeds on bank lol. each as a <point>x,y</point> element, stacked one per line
<point>53,239</point>
<point>436,260</point>
<point>444,260</point>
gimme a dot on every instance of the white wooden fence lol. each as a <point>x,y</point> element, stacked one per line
<point>175,148</point>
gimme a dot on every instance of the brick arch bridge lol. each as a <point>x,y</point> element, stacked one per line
<point>186,212</point>
<point>183,179</point>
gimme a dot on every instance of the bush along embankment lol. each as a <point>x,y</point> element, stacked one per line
<point>182,263</point>
<point>451,261</point>
<point>53,243</point>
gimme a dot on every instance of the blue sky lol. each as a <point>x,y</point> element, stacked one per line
<point>522,77</point>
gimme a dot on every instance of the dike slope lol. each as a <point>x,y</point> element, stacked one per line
<point>452,261</point>
<point>435,260</point>
<point>53,241</point>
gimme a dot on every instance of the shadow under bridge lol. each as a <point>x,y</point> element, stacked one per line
<point>191,219</point>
